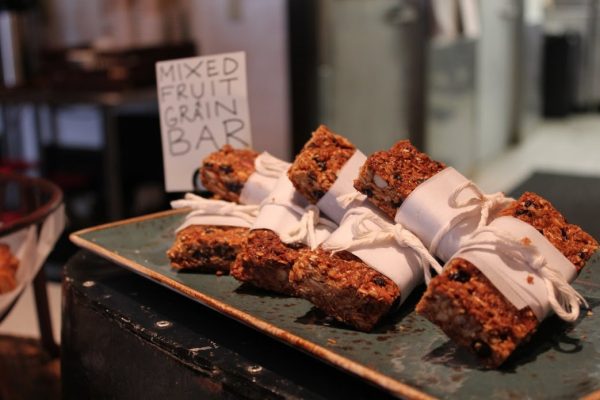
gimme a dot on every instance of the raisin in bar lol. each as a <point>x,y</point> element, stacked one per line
<point>388,177</point>
<point>316,167</point>
<point>207,248</point>
<point>467,306</point>
<point>265,261</point>
<point>344,287</point>
<point>225,172</point>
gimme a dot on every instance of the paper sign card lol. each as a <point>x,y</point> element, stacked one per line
<point>203,105</point>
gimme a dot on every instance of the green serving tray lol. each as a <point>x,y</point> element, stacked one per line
<point>406,355</point>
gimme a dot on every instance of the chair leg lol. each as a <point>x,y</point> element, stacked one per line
<point>43,314</point>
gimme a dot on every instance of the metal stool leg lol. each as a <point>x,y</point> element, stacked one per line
<point>43,314</point>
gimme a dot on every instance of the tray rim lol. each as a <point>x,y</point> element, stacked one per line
<point>393,386</point>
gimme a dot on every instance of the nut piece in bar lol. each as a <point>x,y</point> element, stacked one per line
<point>8,269</point>
<point>388,177</point>
<point>473,312</point>
<point>207,248</point>
<point>344,287</point>
<point>316,167</point>
<point>265,261</point>
<point>225,172</point>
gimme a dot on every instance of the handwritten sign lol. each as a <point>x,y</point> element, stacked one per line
<point>203,105</point>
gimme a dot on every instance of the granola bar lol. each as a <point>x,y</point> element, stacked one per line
<point>473,312</point>
<point>388,177</point>
<point>344,287</point>
<point>265,261</point>
<point>207,248</point>
<point>341,285</point>
<point>225,172</point>
<point>316,167</point>
<point>8,269</point>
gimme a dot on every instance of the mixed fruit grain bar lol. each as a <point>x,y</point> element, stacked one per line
<point>271,250</point>
<point>474,313</point>
<point>225,172</point>
<point>231,174</point>
<point>344,287</point>
<point>389,177</point>
<point>207,248</point>
<point>265,261</point>
<point>316,167</point>
<point>340,284</point>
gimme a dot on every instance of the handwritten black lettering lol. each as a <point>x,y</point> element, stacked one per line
<point>193,70</point>
<point>178,145</point>
<point>206,135</point>
<point>219,104</point>
<point>211,68</point>
<point>194,87</point>
<point>181,92</point>
<point>166,73</point>
<point>165,91</point>
<point>228,81</point>
<point>170,119</point>
<point>232,126</point>
<point>230,65</point>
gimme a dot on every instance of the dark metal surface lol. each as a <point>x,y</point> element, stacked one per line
<point>126,337</point>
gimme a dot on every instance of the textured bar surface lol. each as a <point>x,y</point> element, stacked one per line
<point>388,177</point>
<point>316,167</point>
<point>469,308</point>
<point>225,172</point>
<point>207,248</point>
<point>344,287</point>
<point>265,261</point>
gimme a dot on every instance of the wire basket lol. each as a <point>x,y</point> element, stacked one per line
<point>27,202</point>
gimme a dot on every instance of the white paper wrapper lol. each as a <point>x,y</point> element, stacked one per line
<point>344,184</point>
<point>264,178</point>
<point>399,264</point>
<point>518,282</point>
<point>427,210</point>
<point>283,209</point>
<point>32,251</point>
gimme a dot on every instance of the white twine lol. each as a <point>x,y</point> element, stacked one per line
<point>305,230</point>
<point>202,206</point>
<point>482,204</point>
<point>563,298</point>
<point>346,199</point>
<point>267,165</point>
<point>380,232</point>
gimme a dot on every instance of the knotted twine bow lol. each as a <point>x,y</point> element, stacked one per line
<point>305,230</point>
<point>267,165</point>
<point>480,206</point>
<point>563,299</point>
<point>202,206</point>
<point>369,229</point>
<point>346,199</point>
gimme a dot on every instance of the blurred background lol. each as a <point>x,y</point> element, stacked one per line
<point>500,89</point>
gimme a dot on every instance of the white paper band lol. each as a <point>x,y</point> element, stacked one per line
<point>215,212</point>
<point>260,183</point>
<point>332,203</point>
<point>384,246</point>
<point>32,250</point>
<point>525,267</point>
<point>446,209</point>
<point>288,214</point>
